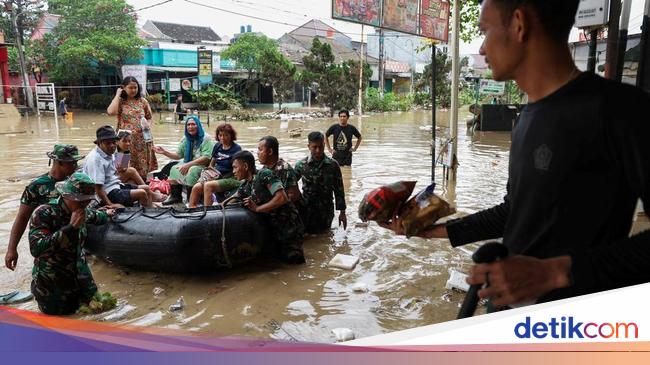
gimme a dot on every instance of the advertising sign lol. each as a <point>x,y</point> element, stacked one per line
<point>434,19</point>
<point>46,99</point>
<point>492,87</point>
<point>359,11</point>
<point>592,13</point>
<point>401,15</point>
<point>205,66</point>
<point>174,84</point>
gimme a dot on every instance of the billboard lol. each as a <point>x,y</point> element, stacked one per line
<point>359,11</point>
<point>140,74</point>
<point>434,19</point>
<point>401,15</point>
<point>205,66</point>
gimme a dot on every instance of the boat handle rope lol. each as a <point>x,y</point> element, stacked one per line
<point>224,248</point>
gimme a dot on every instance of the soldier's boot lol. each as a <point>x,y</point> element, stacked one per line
<point>175,195</point>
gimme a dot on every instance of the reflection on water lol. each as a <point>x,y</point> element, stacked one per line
<point>405,279</point>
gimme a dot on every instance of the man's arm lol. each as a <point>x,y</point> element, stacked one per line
<point>101,194</point>
<point>17,230</point>
<point>41,235</point>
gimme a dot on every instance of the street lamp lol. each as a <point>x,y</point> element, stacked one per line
<point>198,79</point>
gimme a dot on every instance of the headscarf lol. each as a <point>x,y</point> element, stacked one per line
<point>193,141</point>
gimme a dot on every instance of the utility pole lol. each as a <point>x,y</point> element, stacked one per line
<point>622,39</point>
<point>381,63</point>
<point>643,75</point>
<point>593,45</point>
<point>360,102</point>
<point>433,111</point>
<point>21,56</point>
<point>612,39</point>
<point>454,90</point>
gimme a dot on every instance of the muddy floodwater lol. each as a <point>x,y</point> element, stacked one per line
<point>405,278</point>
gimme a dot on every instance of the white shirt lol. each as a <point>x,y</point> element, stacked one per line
<point>101,168</point>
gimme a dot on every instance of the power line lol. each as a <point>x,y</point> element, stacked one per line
<point>152,6</point>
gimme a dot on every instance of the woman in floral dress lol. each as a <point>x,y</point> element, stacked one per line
<point>129,106</point>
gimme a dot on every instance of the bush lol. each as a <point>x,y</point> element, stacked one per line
<point>390,102</point>
<point>217,97</point>
<point>155,99</point>
<point>98,101</point>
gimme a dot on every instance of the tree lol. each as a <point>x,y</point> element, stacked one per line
<point>469,13</point>
<point>337,83</point>
<point>443,82</point>
<point>91,35</point>
<point>276,70</point>
<point>247,51</point>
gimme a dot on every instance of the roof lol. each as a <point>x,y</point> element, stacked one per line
<point>45,25</point>
<point>396,66</point>
<point>316,28</point>
<point>186,33</point>
<point>295,47</point>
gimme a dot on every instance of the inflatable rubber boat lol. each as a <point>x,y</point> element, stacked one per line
<point>185,240</point>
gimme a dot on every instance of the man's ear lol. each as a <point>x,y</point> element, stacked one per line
<point>520,25</point>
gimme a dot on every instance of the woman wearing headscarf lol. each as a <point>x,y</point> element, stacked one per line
<point>195,150</point>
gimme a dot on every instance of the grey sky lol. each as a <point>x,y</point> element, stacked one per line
<point>294,12</point>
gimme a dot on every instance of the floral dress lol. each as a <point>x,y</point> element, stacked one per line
<point>143,159</point>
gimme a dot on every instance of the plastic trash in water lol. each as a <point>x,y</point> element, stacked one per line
<point>179,305</point>
<point>457,281</point>
<point>343,334</point>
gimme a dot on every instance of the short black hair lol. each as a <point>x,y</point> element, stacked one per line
<point>272,143</point>
<point>344,111</point>
<point>315,137</point>
<point>556,16</point>
<point>247,158</point>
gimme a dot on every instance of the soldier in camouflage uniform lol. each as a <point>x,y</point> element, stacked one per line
<point>321,178</point>
<point>264,193</point>
<point>268,154</point>
<point>40,191</point>
<point>61,278</point>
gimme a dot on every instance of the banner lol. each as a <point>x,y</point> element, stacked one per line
<point>359,11</point>
<point>140,74</point>
<point>434,20</point>
<point>401,15</point>
<point>205,66</point>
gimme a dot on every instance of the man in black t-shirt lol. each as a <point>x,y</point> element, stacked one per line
<point>342,132</point>
<point>579,162</point>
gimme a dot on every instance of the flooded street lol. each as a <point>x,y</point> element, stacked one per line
<point>405,278</point>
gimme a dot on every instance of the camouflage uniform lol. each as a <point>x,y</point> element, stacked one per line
<point>287,175</point>
<point>320,180</point>
<point>61,278</point>
<point>285,222</point>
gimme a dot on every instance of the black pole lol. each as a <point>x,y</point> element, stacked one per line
<point>643,74</point>
<point>489,252</point>
<point>593,45</point>
<point>433,112</point>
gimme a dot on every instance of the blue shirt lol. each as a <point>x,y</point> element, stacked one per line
<point>223,157</point>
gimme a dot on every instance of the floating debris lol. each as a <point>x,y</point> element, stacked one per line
<point>346,262</point>
<point>457,281</point>
<point>343,334</point>
<point>179,305</point>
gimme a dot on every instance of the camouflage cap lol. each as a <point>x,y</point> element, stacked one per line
<point>78,187</point>
<point>65,153</point>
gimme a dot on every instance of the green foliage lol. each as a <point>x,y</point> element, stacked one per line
<point>279,72</point>
<point>248,50</point>
<point>337,84</point>
<point>390,102</point>
<point>443,80</point>
<point>98,101</point>
<point>217,97</point>
<point>91,35</point>
<point>101,302</point>
<point>155,98</point>
<point>469,13</point>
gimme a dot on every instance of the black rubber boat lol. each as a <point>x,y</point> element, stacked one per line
<point>187,240</point>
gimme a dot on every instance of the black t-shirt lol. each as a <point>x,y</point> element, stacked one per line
<point>179,106</point>
<point>342,136</point>
<point>579,160</point>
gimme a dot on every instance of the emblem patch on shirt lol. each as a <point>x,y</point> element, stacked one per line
<point>543,156</point>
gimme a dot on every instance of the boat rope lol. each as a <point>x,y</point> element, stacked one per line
<point>224,247</point>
